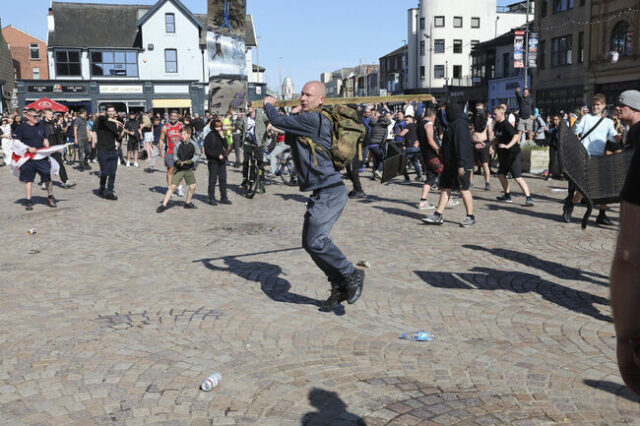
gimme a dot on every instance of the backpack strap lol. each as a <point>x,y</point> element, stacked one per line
<point>592,129</point>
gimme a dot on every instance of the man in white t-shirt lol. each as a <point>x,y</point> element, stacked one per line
<point>594,131</point>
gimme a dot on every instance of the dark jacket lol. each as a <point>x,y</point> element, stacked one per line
<point>456,145</point>
<point>214,145</point>
<point>108,132</point>
<point>378,132</point>
<point>309,124</point>
<point>54,135</point>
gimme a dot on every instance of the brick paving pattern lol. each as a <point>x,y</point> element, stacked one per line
<point>113,314</point>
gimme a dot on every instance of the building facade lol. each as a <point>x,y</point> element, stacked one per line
<point>442,33</point>
<point>560,80</point>
<point>393,72</point>
<point>29,54</point>
<point>135,58</point>
<point>614,48</point>
<point>7,82</point>
<point>492,68</point>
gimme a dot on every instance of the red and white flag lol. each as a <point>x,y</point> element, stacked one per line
<point>21,155</point>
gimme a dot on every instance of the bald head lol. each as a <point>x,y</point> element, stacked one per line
<point>313,94</point>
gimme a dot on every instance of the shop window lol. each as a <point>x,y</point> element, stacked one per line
<point>67,63</point>
<point>114,63</point>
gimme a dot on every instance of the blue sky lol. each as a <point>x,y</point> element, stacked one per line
<point>309,39</point>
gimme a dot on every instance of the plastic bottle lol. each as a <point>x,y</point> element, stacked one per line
<point>419,336</point>
<point>211,382</point>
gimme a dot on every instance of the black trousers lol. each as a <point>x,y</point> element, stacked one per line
<point>63,172</point>
<point>353,172</point>
<point>217,171</point>
<point>108,160</point>
<point>258,152</point>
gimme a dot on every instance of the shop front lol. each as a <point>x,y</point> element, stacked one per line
<point>613,90</point>
<point>125,96</point>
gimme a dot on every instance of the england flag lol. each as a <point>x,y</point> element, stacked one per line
<point>21,155</point>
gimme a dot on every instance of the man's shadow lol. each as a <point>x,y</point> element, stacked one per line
<point>518,282</point>
<point>330,410</point>
<point>556,269</point>
<point>268,275</point>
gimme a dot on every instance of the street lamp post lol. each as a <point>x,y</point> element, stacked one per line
<point>526,50</point>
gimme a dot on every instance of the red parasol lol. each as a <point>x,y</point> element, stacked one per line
<point>47,103</point>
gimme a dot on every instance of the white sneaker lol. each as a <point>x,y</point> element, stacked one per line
<point>128,164</point>
<point>452,203</point>
<point>426,205</point>
<point>43,186</point>
<point>180,192</point>
<point>94,161</point>
<point>135,164</point>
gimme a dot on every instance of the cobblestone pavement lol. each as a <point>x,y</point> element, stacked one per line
<point>113,314</point>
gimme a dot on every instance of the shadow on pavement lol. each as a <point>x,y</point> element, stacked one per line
<point>268,275</point>
<point>299,198</point>
<point>528,211</point>
<point>556,269</point>
<point>613,388</point>
<point>518,282</point>
<point>400,212</point>
<point>330,409</point>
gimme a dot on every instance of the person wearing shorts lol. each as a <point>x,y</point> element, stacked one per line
<point>509,157</point>
<point>525,113</point>
<point>132,128</point>
<point>185,155</point>
<point>33,134</point>
<point>481,135</point>
<point>457,158</point>
<point>171,133</point>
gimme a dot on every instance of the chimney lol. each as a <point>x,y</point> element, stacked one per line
<point>51,24</point>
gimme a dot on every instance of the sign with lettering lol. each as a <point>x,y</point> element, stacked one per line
<point>121,89</point>
<point>518,49</point>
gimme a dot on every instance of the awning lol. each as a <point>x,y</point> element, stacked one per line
<point>172,103</point>
<point>47,103</point>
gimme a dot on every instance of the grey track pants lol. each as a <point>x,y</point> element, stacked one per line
<point>324,207</point>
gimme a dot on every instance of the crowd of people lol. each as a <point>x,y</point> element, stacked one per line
<point>443,145</point>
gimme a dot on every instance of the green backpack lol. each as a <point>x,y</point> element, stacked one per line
<point>347,136</point>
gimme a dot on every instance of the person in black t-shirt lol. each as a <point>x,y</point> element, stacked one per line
<point>109,130</point>
<point>508,141</point>
<point>411,148</point>
<point>132,128</point>
<point>625,271</point>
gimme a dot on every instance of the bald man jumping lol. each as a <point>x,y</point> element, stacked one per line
<point>329,194</point>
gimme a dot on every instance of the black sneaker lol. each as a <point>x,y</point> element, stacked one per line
<point>161,208</point>
<point>87,166</point>
<point>110,196</point>
<point>338,295</point>
<point>602,219</point>
<point>353,285</point>
<point>357,195</point>
<point>567,210</point>
<point>226,201</point>
<point>529,202</point>
<point>52,201</point>
<point>243,185</point>
<point>28,205</point>
<point>189,206</point>
<point>102,191</point>
<point>506,198</point>
<point>213,201</point>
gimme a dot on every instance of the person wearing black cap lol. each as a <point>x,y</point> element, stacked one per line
<point>457,158</point>
<point>625,271</point>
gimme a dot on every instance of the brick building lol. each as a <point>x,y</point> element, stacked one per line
<point>7,82</point>
<point>29,54</point>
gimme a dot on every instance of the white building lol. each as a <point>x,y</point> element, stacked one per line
<point>132,56</point>
<point>441,34</point>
